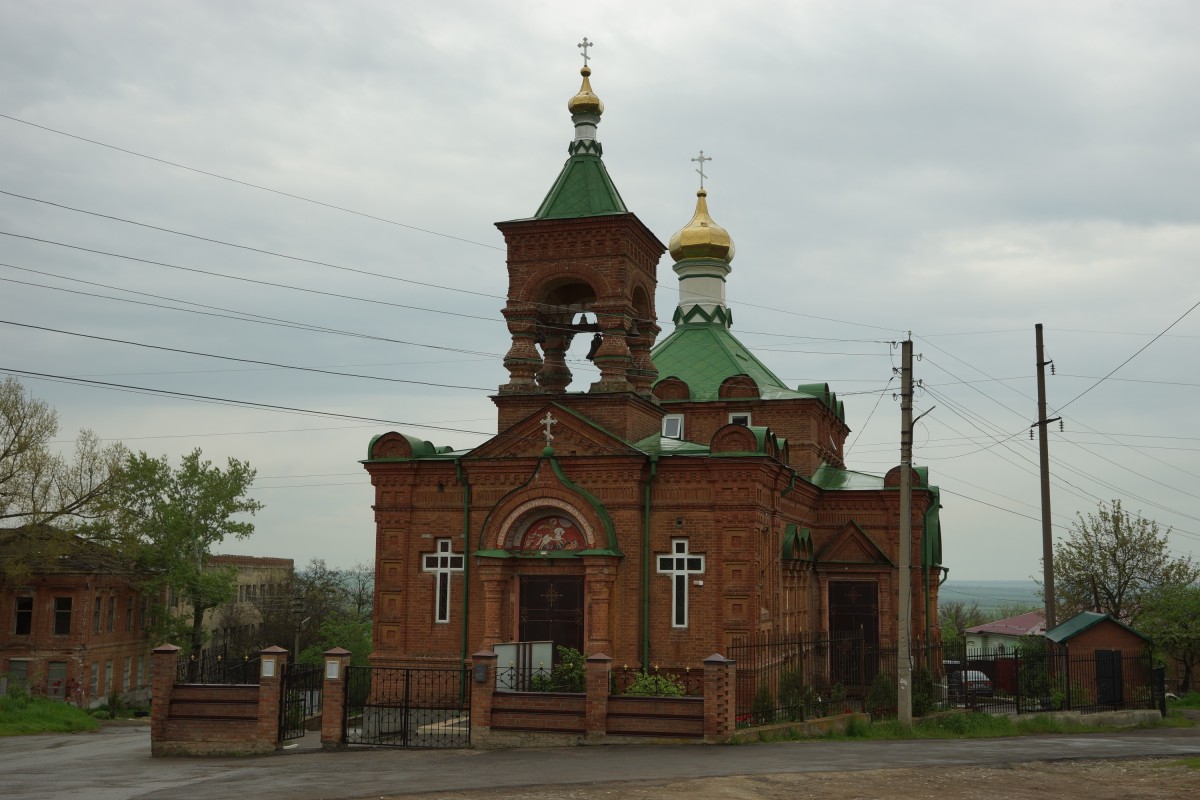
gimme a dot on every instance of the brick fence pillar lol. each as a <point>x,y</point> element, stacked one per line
<point>333,699</point>
<point>720,698</point>
<point>270,684</point>
<point>483,684</point>
<point>165,663</point>
<point>599,668</point>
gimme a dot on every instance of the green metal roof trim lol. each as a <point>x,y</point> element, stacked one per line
<point>657,444</point>
<point>704,355</point>
<point>797,539</point>
<point>583,189</point>
<point>931,536</point>
<point>1081,622</point>
<point>822,392</point>
<point>421,448</point>
<point>828,477</point>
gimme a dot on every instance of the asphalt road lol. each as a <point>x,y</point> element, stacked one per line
<point>115,764</point>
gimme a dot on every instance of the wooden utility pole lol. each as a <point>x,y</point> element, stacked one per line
<point>904,599</point>
<point>1044,447</point>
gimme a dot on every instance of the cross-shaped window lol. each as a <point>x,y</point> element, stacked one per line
<point>443,564</point>
<point>680,565</point>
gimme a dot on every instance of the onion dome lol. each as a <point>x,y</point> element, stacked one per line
<point>702,238</point>
<point>586,100</point>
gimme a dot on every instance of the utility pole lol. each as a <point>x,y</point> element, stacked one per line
<point>904,626</point>
<point>1044,447</point>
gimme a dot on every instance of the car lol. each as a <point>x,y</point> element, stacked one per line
<point>970,681</point>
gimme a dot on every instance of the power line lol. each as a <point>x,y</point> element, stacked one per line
<point>250,185</point>
<point>241,360</point>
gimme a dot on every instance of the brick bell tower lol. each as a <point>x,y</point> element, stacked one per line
<point>583,264</point>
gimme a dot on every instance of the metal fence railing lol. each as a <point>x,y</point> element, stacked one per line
<point>216,668</point>
<point>791,678</point>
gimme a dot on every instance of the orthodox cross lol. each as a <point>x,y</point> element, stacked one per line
<point>680,565</point>
<point>548,421</point>
<point>551,596</point>
<point>702,158</point>
<point>584,45</point>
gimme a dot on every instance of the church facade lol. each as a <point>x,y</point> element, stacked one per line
<point>684,500</point>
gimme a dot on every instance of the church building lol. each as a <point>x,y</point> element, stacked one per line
<point>685,500</point>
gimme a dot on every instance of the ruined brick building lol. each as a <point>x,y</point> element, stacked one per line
<point>685,499</point>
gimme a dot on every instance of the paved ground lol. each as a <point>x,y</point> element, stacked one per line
<point>115,764</point>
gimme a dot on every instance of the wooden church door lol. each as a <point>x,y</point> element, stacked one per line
<point>552,610</point>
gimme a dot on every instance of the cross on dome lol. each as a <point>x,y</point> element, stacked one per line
<point>702,158</point>
<point>584,45</point>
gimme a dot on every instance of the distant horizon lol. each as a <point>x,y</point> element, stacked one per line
<point>991,594</point>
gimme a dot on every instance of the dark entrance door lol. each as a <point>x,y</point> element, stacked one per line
<point>1110,682</point>
<point>853,632</point>
<point>552,610</point>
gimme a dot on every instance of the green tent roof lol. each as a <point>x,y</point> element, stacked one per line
<point>704,355</point>
<point>583,189</point>
<point>1080,623</point>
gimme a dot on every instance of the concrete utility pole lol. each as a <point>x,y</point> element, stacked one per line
<point>904,599</point>
<point>1044,447</point>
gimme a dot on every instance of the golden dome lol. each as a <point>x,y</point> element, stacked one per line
<point>586,100</point>
<point>701,238</point>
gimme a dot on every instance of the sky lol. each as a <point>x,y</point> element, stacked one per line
<point>270,192</point>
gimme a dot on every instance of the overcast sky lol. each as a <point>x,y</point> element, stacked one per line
<point>960,170</point>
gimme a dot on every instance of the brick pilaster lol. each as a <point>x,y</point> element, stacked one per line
<point>720,698</point>
<point>166,660</point>
<point>274,660</point>
<point>599,668</point>
<point>481,691</point>
<point>333,699</point>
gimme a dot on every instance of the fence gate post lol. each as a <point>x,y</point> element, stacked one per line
<point>720,698</point>
<point>270,687</point>
<point>483,684</point>
<point>599,685</point>
<point>333,699</point>
<point>162,684</point>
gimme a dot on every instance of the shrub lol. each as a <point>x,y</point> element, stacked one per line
<point>762,708</point>
<point>881,698</point>
<point>922,693</point>
<point>100,713</point>
<point>568,675</point>
<point>793,694</point>
<point>657,685</point>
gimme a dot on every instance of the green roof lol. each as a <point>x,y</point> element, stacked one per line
<point>828,477</point>
<point>583,189</point>
<point>1080,623</point>
<point>704,355</point>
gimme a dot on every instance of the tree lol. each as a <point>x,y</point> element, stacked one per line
<point>40,488</point>
<point>1172,621</point>
<point>955,617</point>
<point>178,516</point>
<point>1113,562</point>
<point>329,596</point>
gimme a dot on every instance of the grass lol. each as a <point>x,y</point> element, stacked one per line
<point>980,726</point>
<point>1189,700</point>
<point>1185,763</point>
<point>20,714</point>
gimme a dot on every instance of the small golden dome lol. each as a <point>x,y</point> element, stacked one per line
<point>586,100</point>
<point>701,238</point>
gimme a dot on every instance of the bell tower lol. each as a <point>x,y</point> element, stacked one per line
<point>583,264</point>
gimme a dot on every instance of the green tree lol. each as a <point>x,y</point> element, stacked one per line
<point>349,634</point>
<point>955,617</point>
<point>44,490</point>
<point>178,516</point>
<point>1172,621</point>
<point>1113,562</point>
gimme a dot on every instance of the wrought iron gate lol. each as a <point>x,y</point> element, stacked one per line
<point>300,699</point>
<point>402,707</point>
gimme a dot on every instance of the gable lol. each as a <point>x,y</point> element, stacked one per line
<point>852,545</point>
<point>571,435</point>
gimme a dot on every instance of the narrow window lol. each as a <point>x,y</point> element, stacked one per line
<point>23,624</point>
<point>672,426</point>
<point>62,616</point>
<point>129,613</point>
<point>96,614</point>
<point>112,613</point>
<point>680,564</point>
<point>740,418</point>
<point>56,680</point>
<point>442,564</point>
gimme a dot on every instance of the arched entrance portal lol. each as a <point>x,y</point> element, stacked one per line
<point>552,610</point>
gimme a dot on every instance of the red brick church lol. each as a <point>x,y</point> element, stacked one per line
<point>685,499</point>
